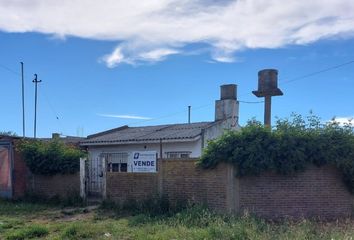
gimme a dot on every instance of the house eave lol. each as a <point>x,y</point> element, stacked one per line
<point>154,141</point>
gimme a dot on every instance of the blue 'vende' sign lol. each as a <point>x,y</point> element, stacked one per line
<point>143,161</point>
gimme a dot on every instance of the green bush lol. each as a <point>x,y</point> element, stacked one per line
<point>289,147</point>
<point>50,158</point>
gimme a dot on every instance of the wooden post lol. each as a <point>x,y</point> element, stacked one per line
<point>160,172</point>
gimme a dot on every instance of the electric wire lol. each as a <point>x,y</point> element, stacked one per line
<point>9,69</point>
<point>315,73</point>
<point>47,101</point>
<point>203,106</point>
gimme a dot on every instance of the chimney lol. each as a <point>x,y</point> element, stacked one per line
<point>55,135</point>
<point>227,106</point>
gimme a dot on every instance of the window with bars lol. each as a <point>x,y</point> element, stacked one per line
<point>116,162</point>
<point>178,154</point>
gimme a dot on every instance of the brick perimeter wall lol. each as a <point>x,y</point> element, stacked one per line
<point>20,177</point>
<point>317,192</point>
<point>125,186</point>
<point>180,180</point>
<point>183,181</point>
<point>58,185</point>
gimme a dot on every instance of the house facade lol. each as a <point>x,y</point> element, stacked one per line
<point>172,141</point>
<point>184,140</point>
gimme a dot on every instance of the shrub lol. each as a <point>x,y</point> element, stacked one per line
<point>289,147</point>
<point>50,158</point>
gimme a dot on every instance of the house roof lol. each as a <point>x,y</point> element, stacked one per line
<point>125,134</point>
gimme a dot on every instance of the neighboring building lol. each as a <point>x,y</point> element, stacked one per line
<point>184,140</point>
<point>69,140</point>
<point>13,169</point>
<point>14,174</point>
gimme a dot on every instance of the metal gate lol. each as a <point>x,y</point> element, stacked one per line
<point>96,176</point>
<point>96,168</point>
<point>5,170</point>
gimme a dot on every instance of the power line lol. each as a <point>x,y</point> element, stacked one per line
<point>248,102</point>
<point>317,72</point>
<point>305,76</point>
<point>45,95</point>
<point>55,113</point>
<point>185,111</point>
<point>203,106</point>
<point>9,69</point>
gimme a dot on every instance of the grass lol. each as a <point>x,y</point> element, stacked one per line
<point>22,221</point>
<point>29,232</point>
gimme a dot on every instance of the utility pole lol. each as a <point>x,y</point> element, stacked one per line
<point>23,101</point>
<point>35,81</point>
<point>189,114</point>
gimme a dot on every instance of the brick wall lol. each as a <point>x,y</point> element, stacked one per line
<point>20,176</point>
<point>178,180</point>
<point>58,185</point>
<point>183,181</point>
<point>126,186</point>
<point>317,192</point>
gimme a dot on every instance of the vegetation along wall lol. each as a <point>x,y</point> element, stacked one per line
<point>53,168</point>
<point>300,168</point>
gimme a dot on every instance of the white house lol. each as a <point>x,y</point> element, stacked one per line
<point>167,141</point>
<point>171,140</point>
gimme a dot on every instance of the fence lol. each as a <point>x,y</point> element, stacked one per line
<point>316,192</point>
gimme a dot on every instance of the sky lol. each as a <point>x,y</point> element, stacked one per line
<point>104,64</point>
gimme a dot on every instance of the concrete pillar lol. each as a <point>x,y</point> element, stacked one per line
<point>104,178</point>
<point>83,178</point>
<point>267,110</point>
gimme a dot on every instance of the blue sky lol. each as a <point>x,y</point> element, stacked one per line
<point>98,75</point>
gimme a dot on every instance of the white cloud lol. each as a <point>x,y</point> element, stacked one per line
<point>124,116</point>
<point>149,31</point>
<point>344,120</point>
<point>115,58</point>
<point>136,55</point>
<point>224,59</point>
<point>157,54</point>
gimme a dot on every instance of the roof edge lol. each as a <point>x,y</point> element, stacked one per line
<point>107,131</point>
<point>172,140</point>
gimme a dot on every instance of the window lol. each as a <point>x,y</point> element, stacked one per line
<point>123,167</point>
<point>116,162</point>
<point>185,155</point>
<point>178,154</point>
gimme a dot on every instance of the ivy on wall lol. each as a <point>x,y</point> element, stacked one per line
<point>50,158</point>
<point>289,147</point>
